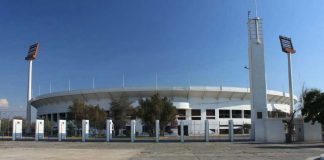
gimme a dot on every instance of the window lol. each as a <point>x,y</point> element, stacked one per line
<point>236,114</point>
<point>247,114</point>
<point>224,113</point>
<point>210,113</point>
<point>62,115</point>
<point>195,118</point>
<point>277,114</point>
<point>181,118</point>
<point>55,117</point>
<point>223,131</point>
<point>259,115</point>
<point>195,114</point>
<point>181,114</point>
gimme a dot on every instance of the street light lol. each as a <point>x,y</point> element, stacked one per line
<point>287,47</point>
<point>31,55</point>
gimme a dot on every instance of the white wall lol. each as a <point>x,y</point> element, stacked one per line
<point>312,132</point>
<point>274,131</point>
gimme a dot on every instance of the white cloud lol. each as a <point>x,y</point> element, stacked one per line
<point>4,102</point>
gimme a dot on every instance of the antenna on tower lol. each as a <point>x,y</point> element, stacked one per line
<point>93,82</point>
<point>123,80</point>
<point>156,81</point>
<point>69,85</point>
<point>50,87</point>
<point>256,8</point>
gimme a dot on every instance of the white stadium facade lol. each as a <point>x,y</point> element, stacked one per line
<point>194,104</point>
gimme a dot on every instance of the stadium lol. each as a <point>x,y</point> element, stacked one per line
<point>194,104</point>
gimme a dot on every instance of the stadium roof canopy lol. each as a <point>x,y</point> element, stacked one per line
<point>186,92</point>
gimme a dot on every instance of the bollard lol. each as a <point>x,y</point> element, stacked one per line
<point>109,128</point>
<point>85,130</point>
<point>157,130</point>
<point>181,132</point>
<point>16,129</point>
<point>62,130</point>
<point>231,130</point>
<point>39,129</point>
<point>207,130</point>
<point>133,126</point>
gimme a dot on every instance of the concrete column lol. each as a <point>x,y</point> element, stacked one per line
<point>109,128</point>
<point>157,130</point>
<point>203,114</point>
<point>231,130</point>
<point>217,121</point>
<point>65,115</point>
<point>231,115</point>
<point>85,130</point>
<point>257,79</point>
<point>181,131</point>
<point>188,114</point>
<point>242,111</point>
<point>16,129</point>
<point>133,126</point>
<point>52,119</point>
<point>207,130</point>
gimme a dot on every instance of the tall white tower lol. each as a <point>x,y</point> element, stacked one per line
<point>257,78</point>
<point>32,54</point>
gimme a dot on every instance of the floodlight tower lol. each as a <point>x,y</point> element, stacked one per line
<point>287,47</point>
<point>31,55</point>
<point>258,88</point>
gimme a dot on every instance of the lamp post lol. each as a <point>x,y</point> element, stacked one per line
<point>287,47</point>
<point>31,55</point>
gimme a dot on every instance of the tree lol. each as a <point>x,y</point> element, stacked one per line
<point>6,126</point>
<point>120,112</point>
<point>290,126</point>
<point>48,126</point>
<point>79,111</point>
<point>246,127</point>
<point>313,106</point>
<point>156,108</point>
<point>289,121</point>
<point>168,114</point>
<point>97,117</point>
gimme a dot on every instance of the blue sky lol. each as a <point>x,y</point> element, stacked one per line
<point>204,42</point>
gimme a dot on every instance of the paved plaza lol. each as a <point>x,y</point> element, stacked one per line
<point>30,150</point>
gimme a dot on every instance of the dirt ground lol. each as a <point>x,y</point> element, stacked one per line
<point>30,150</point>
